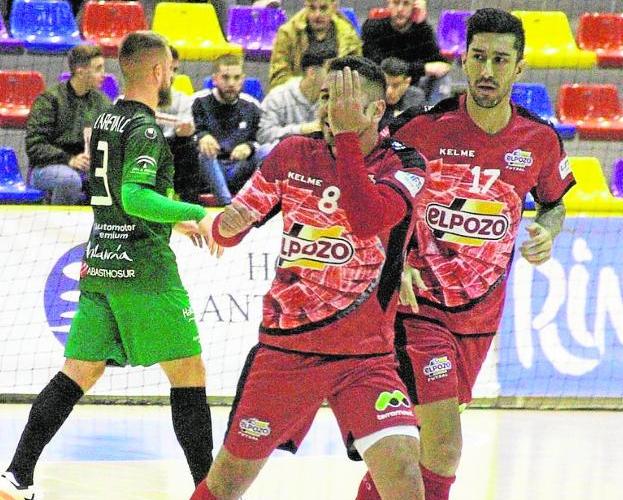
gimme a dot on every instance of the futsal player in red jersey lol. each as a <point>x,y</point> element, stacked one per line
<point>327,328</point>
<point>467,224</point>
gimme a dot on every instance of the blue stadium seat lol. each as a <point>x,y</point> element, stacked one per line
<point>534,97</point>
<point>251,86</point>
<point>44,25</point>
<point>13,189</point>
<point>350,14</point>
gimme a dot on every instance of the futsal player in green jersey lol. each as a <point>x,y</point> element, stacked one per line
<point>133,308</point>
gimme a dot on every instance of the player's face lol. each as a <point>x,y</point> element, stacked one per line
<point>491,68</point>
<point>164,91</point>
<point>400,12</point>
<point>319,14</point>
<point>396,88</point>
<point>93,73</point>
<point>228,80</point>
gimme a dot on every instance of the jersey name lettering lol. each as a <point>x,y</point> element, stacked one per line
<point>111,123</point>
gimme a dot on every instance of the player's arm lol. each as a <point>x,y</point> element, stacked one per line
<point>546,226</point>
<point>371,208</point>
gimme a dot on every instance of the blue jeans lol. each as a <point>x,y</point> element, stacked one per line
<point>63,183</point>
<point>225,177</point>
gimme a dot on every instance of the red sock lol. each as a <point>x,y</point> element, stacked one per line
<point>202,492</point>
<point>437,487</point>
<point>367,490</point>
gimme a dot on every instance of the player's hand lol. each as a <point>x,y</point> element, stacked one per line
<point>538,248</point>
<point>80,162</point>
<point>240,152</point>
<point>184,129</point>
<point>436,69</point>
<point>345,110</point>
<point>407,295</point>
<point>205,230</point>
<point>209,146</point>
<point>190,229</point>
<point>236,218</point>
<point>310,127</point>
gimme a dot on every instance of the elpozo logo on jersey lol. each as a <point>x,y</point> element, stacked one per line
<point>467,221</point>
<point>314,248</point>
<point>518,160</point>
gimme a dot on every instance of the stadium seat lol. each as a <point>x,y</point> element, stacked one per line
<point>255,29</point>
<point>193,29</point>
<point>550,42</point>
<point>183,84</point>
<point>594,109</point>
<point>616,182</point>
<point>350,14</point>
<point>106,23</point>
<point>13,189</point>
<point>44,25</point>
<point>591,193</point>
<point>109,86</point>
<point>534,97</point>
<point>18,90</point>
<point>452,32</point>
<point>603,34</point>
<point>8,44</point>
<point>251,86</point>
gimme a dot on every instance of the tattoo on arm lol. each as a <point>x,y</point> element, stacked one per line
<point>551,217</point>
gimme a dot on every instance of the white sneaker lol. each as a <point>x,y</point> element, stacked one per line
<point>10,486</point>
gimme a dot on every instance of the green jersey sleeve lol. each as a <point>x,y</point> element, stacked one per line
<point>144,144</point>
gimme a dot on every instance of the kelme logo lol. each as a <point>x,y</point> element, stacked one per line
<point>60,296</point>
<point>393,399</point>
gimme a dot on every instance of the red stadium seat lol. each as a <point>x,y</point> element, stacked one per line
<point>106,23</point>
<point>18,90</point>
<point>603,34</point>
<point>594,109</point>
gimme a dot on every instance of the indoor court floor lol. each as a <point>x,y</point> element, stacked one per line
<point>130,453</point>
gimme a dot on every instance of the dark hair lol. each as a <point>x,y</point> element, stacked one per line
<point>174,53</point>
<point>491,20</point>
<point>392,66</point>
<point>226,60</point>
<point>81,55</point>
<point>366,68</point>
<point>134,44</point>
<point>314,59</point>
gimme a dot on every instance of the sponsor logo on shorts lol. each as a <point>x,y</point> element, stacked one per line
<point>564,167</point>
<point>468,222</point>
<point>437,368</point>
<point>392,404</point>
<point>254,428</point>
<point>518,160</point>
<point>314,248</point>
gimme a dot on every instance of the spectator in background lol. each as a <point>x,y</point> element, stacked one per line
<point>59,125</point>
<point>176,121</point>
<point>227,122</point>
<point>290,108</point>
<point>318,27</point>
<point>414,42</point>
<point>400,94</point>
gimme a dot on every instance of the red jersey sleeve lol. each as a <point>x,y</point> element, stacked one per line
<point>555,177</point>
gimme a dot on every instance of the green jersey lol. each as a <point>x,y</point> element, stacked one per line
<point>123,251</point>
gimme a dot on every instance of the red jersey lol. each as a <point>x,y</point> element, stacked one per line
<point>468,215</point>
<point>346,222</point>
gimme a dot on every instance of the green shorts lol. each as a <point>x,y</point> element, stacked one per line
<point>136,328</point>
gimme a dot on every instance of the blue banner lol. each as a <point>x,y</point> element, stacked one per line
<point>562,331</point>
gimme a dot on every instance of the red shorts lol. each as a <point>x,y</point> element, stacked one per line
<point>437,364</point>
<point>280,392</point>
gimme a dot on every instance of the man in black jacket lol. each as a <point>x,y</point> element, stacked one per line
<point>399,35</point>
<point>226,123</point>
<point>55,132</point>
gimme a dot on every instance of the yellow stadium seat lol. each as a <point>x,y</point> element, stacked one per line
<point>193,29</point>
<point>550,42</point>
<point>591,193</point>
<point>183,84</point>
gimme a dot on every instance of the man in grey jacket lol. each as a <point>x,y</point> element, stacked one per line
<point>55,132</point>
<point>290,108</point>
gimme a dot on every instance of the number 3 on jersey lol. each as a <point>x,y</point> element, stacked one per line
<point>491,173</point>
<point>328,203</point>
<point>103,173</point>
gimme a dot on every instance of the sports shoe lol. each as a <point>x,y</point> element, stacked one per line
<point>9,486</point>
